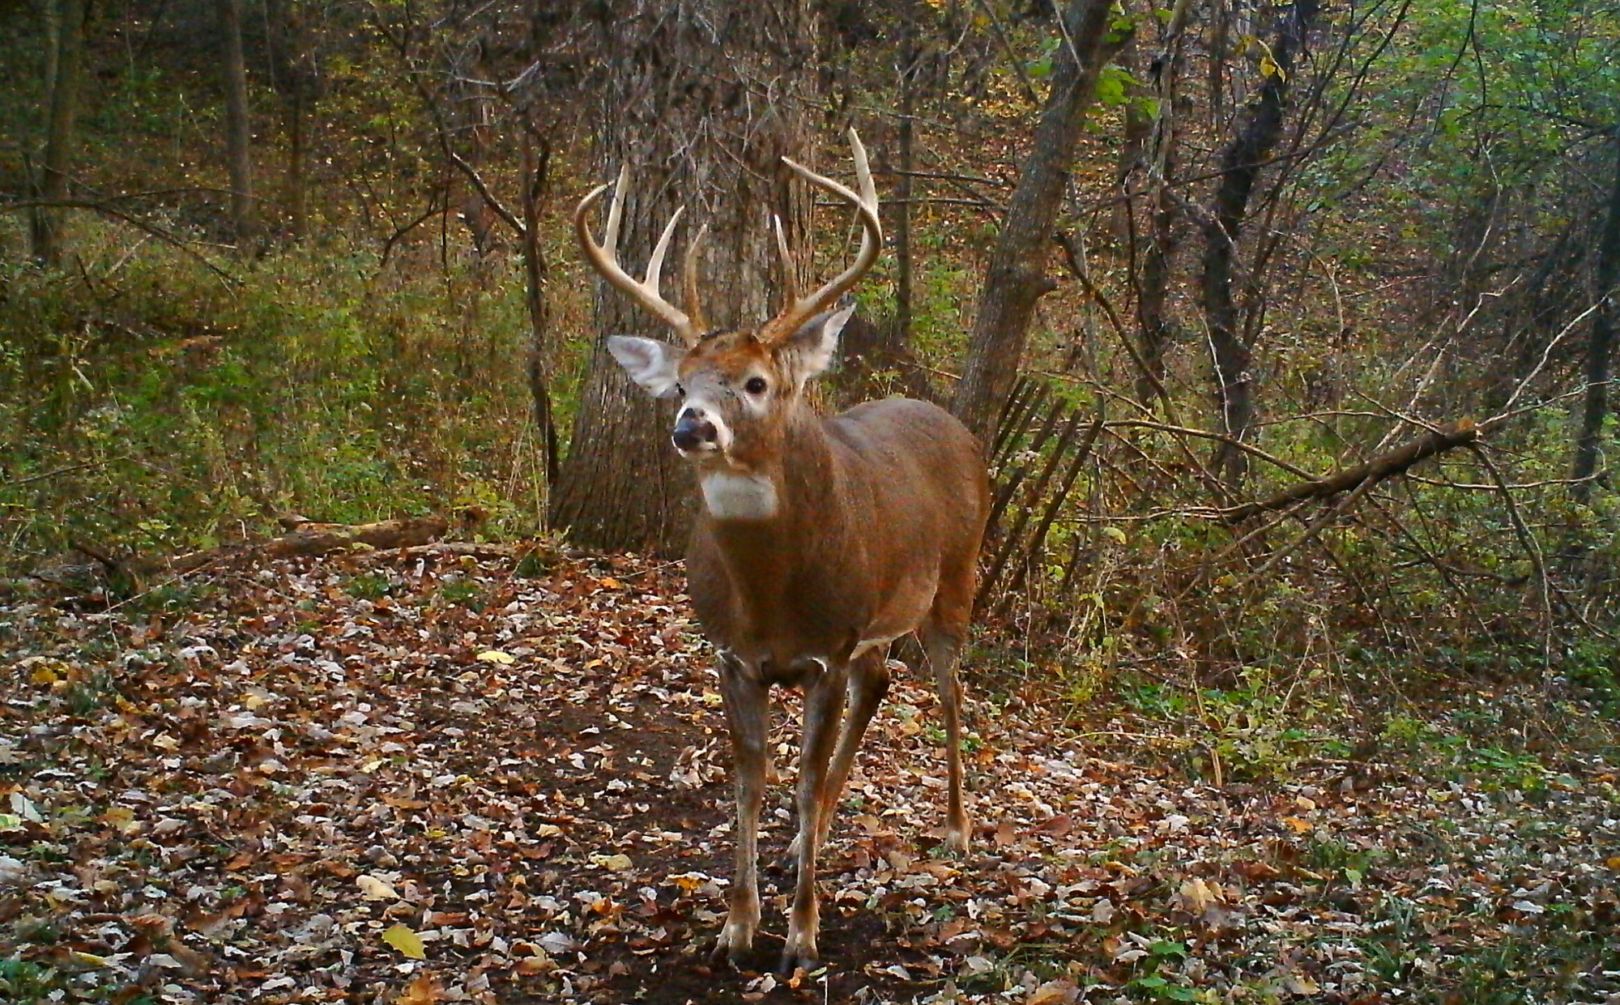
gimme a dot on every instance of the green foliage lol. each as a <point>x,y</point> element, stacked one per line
<point>24,982</point>
<point>370,585</point>
<point>162,409</point>
<point>463,593</point>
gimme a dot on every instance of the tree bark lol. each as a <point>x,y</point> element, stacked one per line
<point>1600,346</point>
<point>700,99</point>
<point>1016,277</point>
<point>63,72</point>
<point>233,69</point>
<point>1240,167</point>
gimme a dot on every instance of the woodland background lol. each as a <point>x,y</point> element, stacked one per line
<point>1289,328</point>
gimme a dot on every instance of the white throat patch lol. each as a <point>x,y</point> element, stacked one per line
<point>732,496</point>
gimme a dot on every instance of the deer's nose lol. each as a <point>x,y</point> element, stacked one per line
<point>692,430</point>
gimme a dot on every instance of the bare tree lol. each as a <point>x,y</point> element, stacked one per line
<point>296,76</point>
<point>704,122</point>
<point>1159,245</point>
<point>1260,130</point>
<point>1600,347</point>
<point>1017,277</point>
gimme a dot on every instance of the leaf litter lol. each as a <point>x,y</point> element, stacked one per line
<point>483,787</point>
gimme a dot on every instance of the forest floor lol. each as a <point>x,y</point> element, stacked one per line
<point>373,780</point>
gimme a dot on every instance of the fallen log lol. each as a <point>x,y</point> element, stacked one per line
<point>1385,465</point>
<point>308,539</point>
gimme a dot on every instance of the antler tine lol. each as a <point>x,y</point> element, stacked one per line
<point>689,276</point>
<point>604,258</point>
<point>790,275</point>
<point>801,309</point>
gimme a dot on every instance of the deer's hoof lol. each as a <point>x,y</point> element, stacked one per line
<point>797,959</point>
<point>733,945</point>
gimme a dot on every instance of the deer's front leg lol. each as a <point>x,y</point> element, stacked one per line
<point>823,711</point>
<point>746,697</point>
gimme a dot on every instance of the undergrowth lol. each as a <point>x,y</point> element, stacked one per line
<point>148,406</point>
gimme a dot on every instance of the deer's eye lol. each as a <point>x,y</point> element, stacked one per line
<point>680,392</point>
<point>755,385</point>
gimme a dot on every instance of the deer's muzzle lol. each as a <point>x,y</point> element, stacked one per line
<point>693,432</point>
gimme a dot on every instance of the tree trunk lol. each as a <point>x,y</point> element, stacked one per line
<point>1220,51</point>
<point>1600,347</point>
<point>1017,277</point>
<point>537,274</point>
<point>683,105</point>
<point>234,72</point>
<point>294,73</point>
<point>1138,127</point>
<point>63,73</point>
<point>297,200</point>
<point>899,336</point>
<point>1240,167</point>
<point>1159,249</point>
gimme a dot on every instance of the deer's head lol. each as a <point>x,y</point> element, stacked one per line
<point>736,389</point>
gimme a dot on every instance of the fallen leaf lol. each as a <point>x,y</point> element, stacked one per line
<point>497,657</point>
<point>406,941</point>
<point>25,808</point>
<point>375,888</point>
<point>1298,984</point>
<point>425,990</point>
<point>1297,825</point>
<point>1058,992</point>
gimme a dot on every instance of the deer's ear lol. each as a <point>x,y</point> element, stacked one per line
<point>810,350</point>
<point>650,363</point>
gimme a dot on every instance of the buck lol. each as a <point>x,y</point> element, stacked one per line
<point>819,541</point>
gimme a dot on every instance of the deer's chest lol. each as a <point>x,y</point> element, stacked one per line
<point>729,496</point>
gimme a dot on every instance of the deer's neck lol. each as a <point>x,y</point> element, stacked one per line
<point>781,499</point>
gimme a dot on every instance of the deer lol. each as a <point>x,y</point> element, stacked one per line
<point>818,540</point>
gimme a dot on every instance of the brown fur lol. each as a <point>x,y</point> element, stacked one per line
<point>876,533</point>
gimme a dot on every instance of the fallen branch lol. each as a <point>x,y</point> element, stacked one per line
<point>313,539</point>
<point>1386,465</point>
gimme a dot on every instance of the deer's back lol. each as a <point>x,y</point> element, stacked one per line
<point>925,470</point>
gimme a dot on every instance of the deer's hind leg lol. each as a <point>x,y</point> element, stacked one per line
<point>868,683</point>
<point>942,634</point>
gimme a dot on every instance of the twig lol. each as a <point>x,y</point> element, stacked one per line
<point>1531,547</point>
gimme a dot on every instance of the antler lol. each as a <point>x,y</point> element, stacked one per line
<point>801,309</point>
<point>604,258</point>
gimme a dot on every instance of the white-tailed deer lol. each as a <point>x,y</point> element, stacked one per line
<point>819,541</point>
